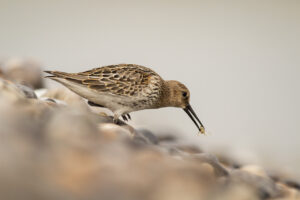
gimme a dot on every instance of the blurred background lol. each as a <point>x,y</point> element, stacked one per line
<point>240,60</point>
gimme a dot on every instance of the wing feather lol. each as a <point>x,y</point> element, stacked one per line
<point>124,79</point>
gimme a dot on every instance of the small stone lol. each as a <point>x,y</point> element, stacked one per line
<point>191,149</point>
<point>149,135</point>
<point>254,169</point>
<point>166,138</point>
<point>113,131</point>
<point>29,93</point>
<point>1,72</point>
<point>51,100</point>
<point>10,92</point>
<point>293,184</point>
<point>219,169</point>
<point>264,187</point>
<point>226,160</point>
<point>64,95</point>
<point>236,192</point>
<point>208,168</point>
<point>22,71</point>
<point>288,192</point>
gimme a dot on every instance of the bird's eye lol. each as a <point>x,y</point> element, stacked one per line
<point>184,94</point>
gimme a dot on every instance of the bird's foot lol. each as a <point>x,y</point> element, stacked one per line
<point>126,117</point>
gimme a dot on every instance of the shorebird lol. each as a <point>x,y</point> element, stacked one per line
<point>125,88</point>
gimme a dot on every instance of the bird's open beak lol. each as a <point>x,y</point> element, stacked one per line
<point>189,110</point>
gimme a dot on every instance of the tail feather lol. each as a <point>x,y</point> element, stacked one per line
<point>66,75</point>
<point>72,82</point>
<point>58,74</point>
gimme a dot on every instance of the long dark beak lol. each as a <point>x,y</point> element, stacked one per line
<point>191,113</point>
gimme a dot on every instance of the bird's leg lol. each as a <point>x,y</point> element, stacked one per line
<point>126,117</point>
<point>117,114</point>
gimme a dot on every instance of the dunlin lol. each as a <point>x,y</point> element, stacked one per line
<point>125,88</point>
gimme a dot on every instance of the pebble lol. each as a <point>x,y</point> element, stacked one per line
<point>10,92</point>
<point>255,170</point>
<point>29,92</point>
<point>149,135</point>
<point>63,95</point>
<point>219,169</point>
<point>56,147</point>
<point>263,186</point>
<point>23,71</point>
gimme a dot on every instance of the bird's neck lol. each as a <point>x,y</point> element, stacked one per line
<point>165,95</point>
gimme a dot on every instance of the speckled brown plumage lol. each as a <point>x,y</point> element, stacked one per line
<point>126,80</point>
<point>125,88</point>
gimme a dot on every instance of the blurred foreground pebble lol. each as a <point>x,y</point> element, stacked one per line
<point>23,71</point>
<point>54,146</point>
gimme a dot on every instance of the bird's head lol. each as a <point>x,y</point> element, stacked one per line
<point>178,95</point>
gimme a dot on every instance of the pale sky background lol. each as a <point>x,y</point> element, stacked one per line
<point>240,60</point>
